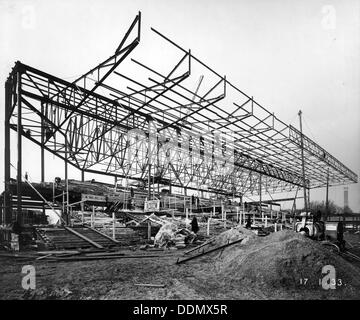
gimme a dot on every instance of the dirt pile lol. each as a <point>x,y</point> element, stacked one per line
<point>233,235</point>
<point>284,260</point>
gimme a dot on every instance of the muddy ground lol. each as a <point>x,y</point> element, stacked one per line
<point>197,279</point>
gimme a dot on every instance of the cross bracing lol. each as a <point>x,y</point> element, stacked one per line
<point>179,123</point>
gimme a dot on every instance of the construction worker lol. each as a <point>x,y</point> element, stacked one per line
<point>340,236</point>
<point>317,216</point>
<point>194,225</point>
<point>16,227</point>
<point>248,222</point>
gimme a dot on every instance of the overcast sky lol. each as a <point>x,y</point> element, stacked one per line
<point>288,54</point>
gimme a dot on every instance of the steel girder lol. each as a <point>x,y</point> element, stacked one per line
<point>216,139</point>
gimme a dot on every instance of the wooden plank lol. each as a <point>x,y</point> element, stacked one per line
<point>95,244</point>
<point>102,234</point>
<point>104,254</point>
<point>17,256</point>
<point>43,257</point>
<point>206,252</point>
<point>73,259</point>
<point>200,246</point>
<point>150,285</point>
<point>58,252</point>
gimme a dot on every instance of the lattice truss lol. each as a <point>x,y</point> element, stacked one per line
<point>169,120</point>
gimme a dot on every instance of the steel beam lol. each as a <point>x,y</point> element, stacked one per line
<point>7,196</point>
<point>19,142</point>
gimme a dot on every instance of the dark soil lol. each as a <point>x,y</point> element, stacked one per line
<point>268,267</point>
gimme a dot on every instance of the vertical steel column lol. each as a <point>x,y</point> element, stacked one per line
<point>260,191</point>
<point>66,183</point>
<point>7,197</point>
<point>327,197</point>
<point>19,144</point>
<point>149,160</point>
<point>170,191</point>
<point>42,154</point>
<point>42,146</point>
<point>303,165</point>
<point>308,199</point>
<point>149,182</point>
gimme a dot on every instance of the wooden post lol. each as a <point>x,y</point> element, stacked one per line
<point>187,213</point>
<point>92,217</point>
<point>149,173</point>
<point>224,219</point>
<point>82,212</point>
<point>237,214</point>
<point>149,230</point>
<point>243,212</point>
<point>114,220</point>
<point>208,227</point>
<point>275,227</point>
<point>214,210</point>
<point>63,206</point>
<point>266,218</point>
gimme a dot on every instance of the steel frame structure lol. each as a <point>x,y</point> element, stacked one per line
<point>160,130</point>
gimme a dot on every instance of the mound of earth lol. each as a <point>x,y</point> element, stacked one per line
<point>284,260</point>
<point>233,235</point>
